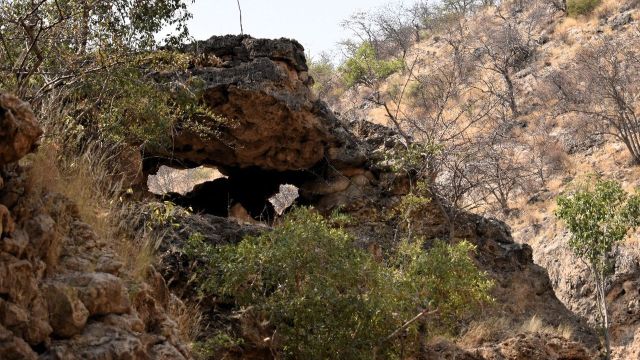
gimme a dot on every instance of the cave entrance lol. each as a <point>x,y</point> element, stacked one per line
<point>251,188</point>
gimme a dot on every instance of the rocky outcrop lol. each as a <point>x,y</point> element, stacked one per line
<point>63,293</point>
<point>268,127</point>
<point>262,112</point>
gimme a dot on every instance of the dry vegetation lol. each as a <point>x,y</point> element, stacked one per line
<point>502,63</point>
<point>89,179</point>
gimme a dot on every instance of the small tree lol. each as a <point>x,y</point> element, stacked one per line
<point>603,87</point>
<point>325,77</point>
<point>364,67</point>
<point>598,219</point>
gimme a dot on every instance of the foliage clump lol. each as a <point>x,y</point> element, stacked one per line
<point>364,67</point>
<point>90,61</point>
<point>326,298</point>
<point>323,72</point>
<point>581,7</point>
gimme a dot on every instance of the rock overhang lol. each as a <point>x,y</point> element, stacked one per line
<point>266,115</point>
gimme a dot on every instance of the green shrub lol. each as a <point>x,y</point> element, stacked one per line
<point>581,7</point>
<point>364,67</point>
<point>94,58</point>
<point>328,299</point>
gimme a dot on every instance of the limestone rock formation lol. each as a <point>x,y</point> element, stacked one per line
<point>62,293</point>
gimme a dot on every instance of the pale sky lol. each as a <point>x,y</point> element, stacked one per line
<point>314,23</point>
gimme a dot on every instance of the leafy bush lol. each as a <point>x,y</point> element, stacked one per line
<point>446,277</point>
<point>95,57</point>
<point>364,67</point>
<point>326,298</point>
<point>581,7</point>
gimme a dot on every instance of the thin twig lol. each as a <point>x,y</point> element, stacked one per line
<point>424,312</point>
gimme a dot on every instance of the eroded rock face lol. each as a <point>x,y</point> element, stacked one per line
<point>62,291</point>
<point>268,117</point>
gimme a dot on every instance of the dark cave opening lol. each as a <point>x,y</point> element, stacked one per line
<point>249,187</point>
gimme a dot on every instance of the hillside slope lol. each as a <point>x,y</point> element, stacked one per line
<point>544,130</point>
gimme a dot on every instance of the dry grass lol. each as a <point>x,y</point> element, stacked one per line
<point>87,176</point>
<point>497,329</point>
<point>82,180</point>
<point>607,8</point>
<point>562,30</point>
<point>188,317</point>
<point>536,325</point>
<point>484,331</point>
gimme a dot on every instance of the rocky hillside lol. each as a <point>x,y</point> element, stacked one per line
<point>64,293</point>
<point>336,166</point>
<point>555,44</point>
<point>107,285</point>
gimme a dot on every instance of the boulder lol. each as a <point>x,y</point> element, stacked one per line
<point>101,293</point>
<point>68,315</point>
<point>14,348</point>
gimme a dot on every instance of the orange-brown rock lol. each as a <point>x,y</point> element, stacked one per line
<point>265,113</point>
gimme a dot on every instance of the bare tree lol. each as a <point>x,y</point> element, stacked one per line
<point>546,155</point>
<point>396,28</point>
<point>363,28</point>
<point>444,114</point>
<point>391,29</point>
<point>503,169</point>
<point>506,43</point>
<point>461,8</point>
<point>603,87</point>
